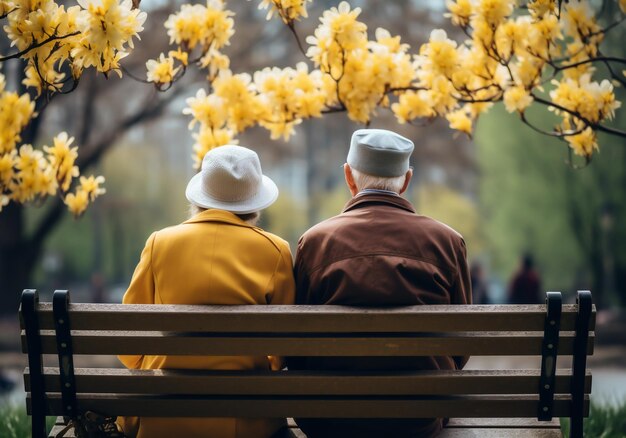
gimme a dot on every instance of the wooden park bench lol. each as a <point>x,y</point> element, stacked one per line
<point>520,403</point>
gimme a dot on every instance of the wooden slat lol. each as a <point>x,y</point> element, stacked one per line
<point>257,344</point>
<point>309,319</point>
<point>190,382</point>
<point>503,423</point>
<point>311,407</point>
<point>497,432</point>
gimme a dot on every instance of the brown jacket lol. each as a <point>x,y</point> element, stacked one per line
<point>379,252</point>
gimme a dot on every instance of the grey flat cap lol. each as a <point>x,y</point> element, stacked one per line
<point>380,152</point>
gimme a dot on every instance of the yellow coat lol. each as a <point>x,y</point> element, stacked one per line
<point>212,258</point>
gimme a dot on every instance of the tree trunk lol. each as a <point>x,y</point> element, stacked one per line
<point>17,258</point>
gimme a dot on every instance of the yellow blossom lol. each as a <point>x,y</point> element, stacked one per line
<point>215,62</point>
<point>411,105</point>
<point>92,186</point>
<point>460,121</point>
<point>583,144</point>
<point>29,159</point>
<point>62,158</point>
<point>107,28</point>
<point>242,105</point>
<point>161,71</point>
<point>460,11</point>
<point>77,203</point>
<point>517,98</point>
<point>198,25</point>
<point>540,8</point>
<point>288,10</point>
<point>494,12</point>
<point>439,55</point>
<point>338,33</point>
<point>181,56</point>
<point>15,113</point>
<point>7,162</point>
<point>592,100</point>
<point>208,110</point>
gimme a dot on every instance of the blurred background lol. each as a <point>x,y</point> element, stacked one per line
<point>509,191</point>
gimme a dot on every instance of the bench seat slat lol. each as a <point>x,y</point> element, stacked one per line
<point>514,427</point>
<point>436,382</point>
<point>467,406</point>
<point>259,344</point>
<point>503,423</point>
<point>500,433</point>
<point>308,319</point>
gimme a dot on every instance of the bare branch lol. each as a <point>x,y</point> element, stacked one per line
<point>92,154</point>
<point>37,45</point>
<point>604,59</point>
<point>292,27</point>
<point>599,127</point>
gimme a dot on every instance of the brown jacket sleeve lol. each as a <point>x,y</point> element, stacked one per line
<point>462,291</point>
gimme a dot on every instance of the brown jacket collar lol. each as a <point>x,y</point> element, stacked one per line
<point>372,198</point>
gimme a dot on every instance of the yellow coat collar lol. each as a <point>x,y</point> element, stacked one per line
<point>215,215</point>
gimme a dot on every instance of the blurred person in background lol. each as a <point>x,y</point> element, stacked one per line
<point>379,252</point>
<point>218,256</point>
<point>525,286</point>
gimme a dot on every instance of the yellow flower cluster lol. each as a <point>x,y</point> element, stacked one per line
<point>15,113</point>
<point>276,99</point>
<point>505,59</point>
<point>593,101</point>
<point>88,190</point>
<point>288,10</point>
<point>195,27</point>
<point>27,173</point>
<point>363,71</point>
<point>56,41</point>
<point>95,33</point>
<point>107,27</point>
<point>201,26</point>
<point>289,95</point>
<point>163,71</point>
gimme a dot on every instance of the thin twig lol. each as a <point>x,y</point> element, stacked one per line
<point>36,46</point>
<point>292,27</point>
<point>597,126</point>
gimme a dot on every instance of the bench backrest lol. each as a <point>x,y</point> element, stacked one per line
<point>550,331</point>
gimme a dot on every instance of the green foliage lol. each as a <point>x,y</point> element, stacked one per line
<point>14,423</point>
<point>532,200</point>
<point>143,195</point>
<point>605,421</point>
<point>285,218</point>
<point>455,210</point>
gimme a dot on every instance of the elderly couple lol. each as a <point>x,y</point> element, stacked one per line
<point>378,251</point>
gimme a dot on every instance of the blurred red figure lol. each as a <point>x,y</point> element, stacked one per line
<point>525,287</point>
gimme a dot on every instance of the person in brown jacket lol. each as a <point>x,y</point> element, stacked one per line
<point>379,252</point>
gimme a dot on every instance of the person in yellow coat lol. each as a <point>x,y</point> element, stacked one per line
<point>218,256</point>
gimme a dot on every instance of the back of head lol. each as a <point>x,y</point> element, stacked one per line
<point>379,159</point>
<point>528,262</point>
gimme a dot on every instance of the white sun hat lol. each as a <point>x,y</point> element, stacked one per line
<point>231,180</point>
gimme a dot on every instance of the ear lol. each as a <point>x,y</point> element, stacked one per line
<point>347,172</point>
<point>407,180</point>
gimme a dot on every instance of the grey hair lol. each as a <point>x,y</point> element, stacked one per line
<point>366,181</point>
<point>250,218</point>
